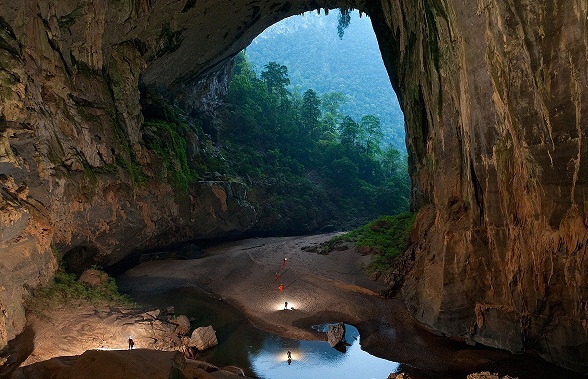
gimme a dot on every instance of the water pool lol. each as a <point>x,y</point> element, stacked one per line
<point>264,355</point>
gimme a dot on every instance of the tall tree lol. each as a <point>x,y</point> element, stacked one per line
<point>348,132</point>
<point>372,129</point>
<point>310,113</point>
<point>275,76</point>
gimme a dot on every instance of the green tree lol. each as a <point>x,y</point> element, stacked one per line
<point>275,76</point>
<point>348,132</point>
<point>331,103</point>
<point>310,113</point>
<point>373,135</point>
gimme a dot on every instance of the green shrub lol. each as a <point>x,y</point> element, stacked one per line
<point>66,290</point>
<point>168,141</point>
<point>386,238</point>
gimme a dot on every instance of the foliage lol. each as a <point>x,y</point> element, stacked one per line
<point>387,237</point>
<point>299,147</point>
<point>185,153</point>
<point>316,58</point>
<point>343,21</point>
<point>67,290</point>
<point>169,142</point>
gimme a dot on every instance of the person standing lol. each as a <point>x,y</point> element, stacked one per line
<point>131,343</point>
<point>281,287</point>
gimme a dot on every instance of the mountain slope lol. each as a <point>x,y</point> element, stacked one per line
<point>316,58</point>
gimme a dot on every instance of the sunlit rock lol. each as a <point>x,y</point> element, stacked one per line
<point>336,334</point>
<point>203,338</point>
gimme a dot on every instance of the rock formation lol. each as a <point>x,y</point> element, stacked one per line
<point>203,338</point>
<point>494,94</point>
<point>142,363</point>
<point>336,334</point>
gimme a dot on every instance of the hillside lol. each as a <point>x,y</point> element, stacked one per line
<point>316,58</point>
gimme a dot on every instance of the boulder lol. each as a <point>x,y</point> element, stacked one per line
<point>202,338</point>
<point>336,334</point>
<point>94,278</point>
<point>183,324</point>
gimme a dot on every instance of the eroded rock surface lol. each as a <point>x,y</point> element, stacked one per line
<point>494,95</point>
<point>496,132</point>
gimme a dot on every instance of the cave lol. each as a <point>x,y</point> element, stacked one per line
<point>493,94</point>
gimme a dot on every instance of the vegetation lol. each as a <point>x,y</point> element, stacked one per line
<point>386,238</point>
<point>67,290</point>
<point>185,153</point>
<point>351,66</point>
<point>303,147</point>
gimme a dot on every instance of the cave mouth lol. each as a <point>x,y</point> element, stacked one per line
<point>329,116</point>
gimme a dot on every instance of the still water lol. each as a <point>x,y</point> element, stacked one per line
<point>264,355</point>
<point>317,359</point>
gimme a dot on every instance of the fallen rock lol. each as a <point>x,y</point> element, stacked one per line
<point>94,278</point>
<point>235,370</point>
<point>122,364</point>
<point>112,364</point>
<point>203,338</point>
<point>336,334</point>
<point>154,314</point>
<point>183,324</point>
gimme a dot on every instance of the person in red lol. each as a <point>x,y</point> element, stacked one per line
<point>277,276</point>
<point>283,264</point>
<point>281,287</point>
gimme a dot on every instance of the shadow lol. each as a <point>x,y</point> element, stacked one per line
<point>17,351</point>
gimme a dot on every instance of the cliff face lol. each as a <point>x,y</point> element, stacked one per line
<point>493,92</point>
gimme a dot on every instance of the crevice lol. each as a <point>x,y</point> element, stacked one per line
<point>478,192</point>
<point>189,5</point>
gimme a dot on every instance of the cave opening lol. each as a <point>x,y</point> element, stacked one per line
<point>312,123</point>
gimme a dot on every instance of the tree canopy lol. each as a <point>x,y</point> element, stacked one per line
<point>304,147</point>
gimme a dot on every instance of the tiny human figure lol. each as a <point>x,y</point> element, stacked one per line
<point>131,343</point>
<point>289,361</point>
<point>286,307</point>
<point>283,263</point>
<point>281,287</point>
<point>277,276</point>
<point>289,355</point>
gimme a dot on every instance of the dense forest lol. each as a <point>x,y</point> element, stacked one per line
<point>349,62</point>
<point>304,155</point>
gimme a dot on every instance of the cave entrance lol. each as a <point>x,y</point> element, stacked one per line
<point>316,125</point>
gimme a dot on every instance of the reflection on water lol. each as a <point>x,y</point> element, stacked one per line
<point>317,359</point>
<point>264,355</point>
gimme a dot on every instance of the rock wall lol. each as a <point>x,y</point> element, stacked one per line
<point>493,93</point>
<point>76,181</point>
